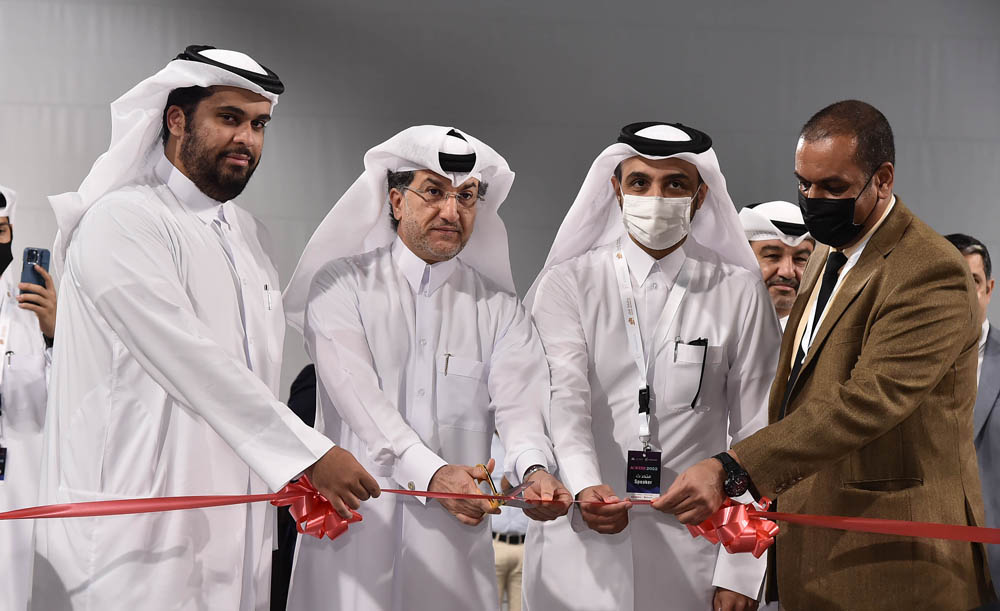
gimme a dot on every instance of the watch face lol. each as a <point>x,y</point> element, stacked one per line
<point>736,484</point>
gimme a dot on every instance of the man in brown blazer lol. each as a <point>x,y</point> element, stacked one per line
<point>871,409</point>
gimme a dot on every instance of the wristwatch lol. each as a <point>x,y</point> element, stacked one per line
<point>737,479</point>
<point>532,469</point>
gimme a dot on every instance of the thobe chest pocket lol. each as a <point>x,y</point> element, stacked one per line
<point>687,376</point>
<point>275,317</point>
<point>463,398</point>
<point>24,391</point>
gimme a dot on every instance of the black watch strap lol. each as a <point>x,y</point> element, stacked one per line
<point>737,479</point>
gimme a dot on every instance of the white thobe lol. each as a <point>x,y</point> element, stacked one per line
<point>654,562</point>
<point>25,364</point>
<point>165,297</point>
<point>414,361</point>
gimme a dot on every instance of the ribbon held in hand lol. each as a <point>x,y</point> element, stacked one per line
<point>313,514</point>
<point>738,528</point>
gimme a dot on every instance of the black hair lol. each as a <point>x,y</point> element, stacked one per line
<point>860,120</point>
<point>968,245</point>
<point>397,181</point>
<point>187,98</point>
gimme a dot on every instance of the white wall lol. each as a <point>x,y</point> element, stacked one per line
<point>547,84</point>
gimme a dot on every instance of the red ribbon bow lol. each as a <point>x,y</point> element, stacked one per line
<point>313,514</point>
<point>738,529</point>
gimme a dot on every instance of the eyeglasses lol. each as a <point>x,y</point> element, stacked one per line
<point>436,197</point>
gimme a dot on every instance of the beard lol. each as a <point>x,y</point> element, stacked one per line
<point>418,239</point>
<point>208,169</point>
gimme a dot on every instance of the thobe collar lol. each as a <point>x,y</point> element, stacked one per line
<point>188,193</point>
<point>641,264</point>
<point>421,275</point>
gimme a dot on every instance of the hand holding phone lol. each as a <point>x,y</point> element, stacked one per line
<point>38,291</point>
<point>29,275</point>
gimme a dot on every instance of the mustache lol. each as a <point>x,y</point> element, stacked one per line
<point>239,151</point>
<point>779,281</point>
<point>448,226</point>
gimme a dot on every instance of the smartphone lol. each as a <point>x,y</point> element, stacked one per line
<point>34,256</point>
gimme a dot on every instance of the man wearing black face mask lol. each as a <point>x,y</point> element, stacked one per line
<point>871,410</point>
<point>24,320</point>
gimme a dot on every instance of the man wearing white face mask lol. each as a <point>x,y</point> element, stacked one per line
<point>661,342</point>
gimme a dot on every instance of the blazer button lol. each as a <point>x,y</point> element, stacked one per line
<point>411,486</point>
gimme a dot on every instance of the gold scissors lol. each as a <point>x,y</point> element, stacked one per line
<point>513,492</point>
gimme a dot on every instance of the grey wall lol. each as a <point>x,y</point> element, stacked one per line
<point>547,84</point>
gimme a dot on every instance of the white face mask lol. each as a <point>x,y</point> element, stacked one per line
<point>657,222</point>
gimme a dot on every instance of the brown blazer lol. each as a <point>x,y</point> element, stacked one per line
<point>879,425</point>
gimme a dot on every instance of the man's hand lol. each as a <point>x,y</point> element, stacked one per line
<point>605,519</point>
<point>342,480</point>
<point>696,493</point>
<point>727,600</point>
<point>461,479</point>
<point>547,488</point>
<point>42,301</point>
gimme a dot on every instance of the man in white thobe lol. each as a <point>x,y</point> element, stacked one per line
<point>167,359</point>
<point>417,348</point>
<point>782,245</point>
<point>27,326</point>
<point>661,342</point>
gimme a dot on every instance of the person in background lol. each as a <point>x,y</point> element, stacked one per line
<point>782,245</point>
<point>27,329</point>
<point>986,418</point>
<point>509,528</point>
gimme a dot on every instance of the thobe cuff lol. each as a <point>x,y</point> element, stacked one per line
<point>741,573</point>
<point>279,453</point>
<point>579,472</point>
<point>525,459</point>
<point>415,468</point>
<point>576,521</point>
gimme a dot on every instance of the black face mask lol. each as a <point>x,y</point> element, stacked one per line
<point>6,255</point>
<point>831,221</point>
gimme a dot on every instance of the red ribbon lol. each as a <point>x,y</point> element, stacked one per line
<point>739,527</point>
<point>314,515</point>
<point>904,528</point>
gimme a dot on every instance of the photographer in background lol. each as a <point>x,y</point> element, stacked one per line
<point>27,326</point>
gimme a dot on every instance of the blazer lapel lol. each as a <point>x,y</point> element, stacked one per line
<point>989,381</point>
<point>879,246</point>
<point>856,280</point>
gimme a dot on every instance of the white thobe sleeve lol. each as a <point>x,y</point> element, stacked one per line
<point>336,341</point>
<point>123,262</point>
<point>748,385</point>
<point>519,393</point>
<point>557,318</point>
